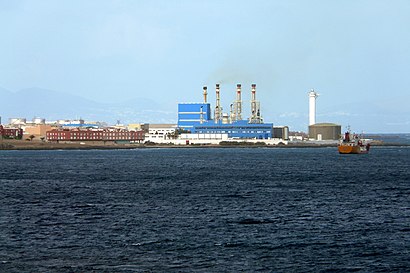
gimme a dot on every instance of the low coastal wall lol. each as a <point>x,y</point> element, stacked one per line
<point>38,145</point>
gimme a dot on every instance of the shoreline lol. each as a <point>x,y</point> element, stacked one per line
<point>28,145</point>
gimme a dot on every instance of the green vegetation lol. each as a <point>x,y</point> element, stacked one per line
<point>11,137</point>
<point>177,132</point>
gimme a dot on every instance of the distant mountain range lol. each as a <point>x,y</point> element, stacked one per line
<point>389,116</point>
<point>52,105</point>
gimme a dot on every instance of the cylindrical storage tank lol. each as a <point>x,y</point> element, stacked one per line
<point>281,132</point>
<point>286,133</point>
<point>39,120</point>
<point>225,118</point>
<point>17,121</point>
<point>325,131</point>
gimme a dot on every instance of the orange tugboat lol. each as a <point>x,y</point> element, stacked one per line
<point>354,145</point>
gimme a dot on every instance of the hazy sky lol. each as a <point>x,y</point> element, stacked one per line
<point>356,54</point>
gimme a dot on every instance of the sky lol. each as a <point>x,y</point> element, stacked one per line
<point>354,53</point>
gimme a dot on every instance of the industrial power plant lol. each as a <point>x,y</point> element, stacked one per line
<point>196,118</point>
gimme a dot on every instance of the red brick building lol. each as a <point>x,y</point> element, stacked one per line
<point>89,134</point>
<point>11,132</point>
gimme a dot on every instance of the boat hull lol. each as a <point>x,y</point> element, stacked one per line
<point>351,149</point>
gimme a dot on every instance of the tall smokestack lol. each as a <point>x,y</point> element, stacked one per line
<point>253,102</point>
<point>312,107</point>
<point>205,94</point>
<point>218,110</point>
<point>238,111</point>
<point>253,92</point>
<point>255,107</point>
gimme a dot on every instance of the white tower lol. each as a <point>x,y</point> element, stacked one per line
<point>312,106</point>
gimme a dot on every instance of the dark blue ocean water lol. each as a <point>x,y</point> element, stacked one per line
<point>205,210</point>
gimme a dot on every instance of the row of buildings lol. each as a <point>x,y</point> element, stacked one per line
<point>11,132</point>
<point>197,123</point>
<point>95,134</point>
<point>68,131</point>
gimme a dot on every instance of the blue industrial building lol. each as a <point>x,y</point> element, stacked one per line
<point>237,129</point>
<point>196,118</point>
<point>191,114</point>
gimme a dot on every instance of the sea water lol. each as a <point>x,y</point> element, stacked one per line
<point>205,210</point>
